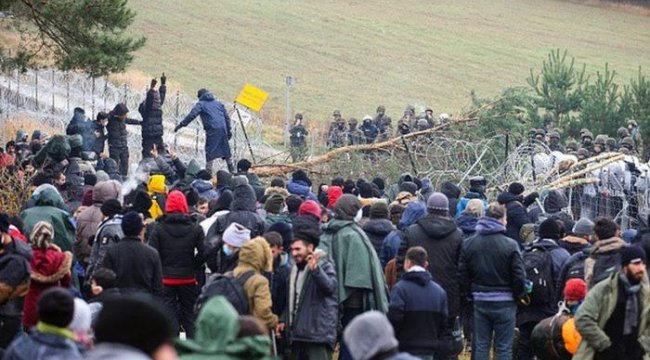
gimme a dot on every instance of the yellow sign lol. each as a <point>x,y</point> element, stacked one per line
<point>252,97</point>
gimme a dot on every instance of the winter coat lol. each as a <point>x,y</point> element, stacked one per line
<point>279,281</point>
<point>50,268</point>
<point>426,190</point>
<point>255,182</point>
<point>115,351</point>
<point>256,256</point>
<point>467,224</point>
<point>116,130</point>
<point>414,211</point>
<point>302,189</point>
<point>490,262</point>
<point>151,112</point>
<point>576,261</point>
<point>108,233</point>
<point>205,189</point>
<point>89,220</point>
<point>390,246</point>
<point>42,346</point>
<point>393,190</point>
<point>217,326</point>
<point>98,138</point>
<point>216,123</point>
<point>179,242</point>
<point>242,211</point>
<point>357,265</point>
<point>298,136</point>
<point>516,214</point>
<point>604,254</point>
<point>598,307</point>
<point>377,230</point>
<point>442,240</point>
<point>14,277</point>
<point>315,319</point>
<point>80,125</point>
<point>136,265</point>
<point>48,207</point>
<point>462,203</point>
<point>452,192</point>
<point>418,313</point>
<point>573,244</point>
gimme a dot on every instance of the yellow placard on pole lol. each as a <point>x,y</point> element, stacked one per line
<point>252,97</point>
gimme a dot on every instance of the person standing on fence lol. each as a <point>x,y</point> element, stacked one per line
<point>117,142</point>
<point>216,123</point>
<point>152,117</point>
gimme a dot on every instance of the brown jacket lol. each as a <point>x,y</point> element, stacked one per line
<point>256,255</point>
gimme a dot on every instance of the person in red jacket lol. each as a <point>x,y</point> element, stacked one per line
<point>50,268</point>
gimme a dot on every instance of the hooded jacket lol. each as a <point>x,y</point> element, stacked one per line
<point>414,211</point>
<point>136,265</point>
<point>216,123</point>
<point>516,214</point>
<point>48,207</point>
<point>377,230</point>
<point>442,240</point>
<point>157,190</point>
<point>393,190</point>
<point>116,129</point>
<point>205,189</point>
<point>151,112</point>
<point>242,211</point>
<point>89,220</point>
<point>217,326</point>
<point>604,257</point>
<point>301,188</point>
<point>256,255</point>
<point>467,224</point>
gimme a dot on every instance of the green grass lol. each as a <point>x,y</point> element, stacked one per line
<point>354,55</point>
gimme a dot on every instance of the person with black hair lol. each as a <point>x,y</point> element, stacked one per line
<point>605,253</point>
<point>96,142</point>
<point>103,286</point>
<point>118,148</point>
<point>243,167</point>
<point>51,339</point>
<point>300,184</point>
<point>152,117</point>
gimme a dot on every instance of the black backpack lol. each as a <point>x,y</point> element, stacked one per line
<point>228,286</point>
<point>605,265</point>
<point>539,270</point>
<point>577,268</point>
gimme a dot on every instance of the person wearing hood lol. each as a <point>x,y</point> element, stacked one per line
<point>300,185</point>
<point>413,212</point>
<point>216,123</point>
<point>469,218</point>
<point>217,208</point>
<point>255,255</point>
<point>89,220</point>
<point>152,116</point>
<point>97,140</point>
<point>118,148</point>
<point>394,189</point>
<point>217,330</point>
<point>157,189</point>
<point>554,202</point>
<point>79,125</point>
<point>418,309</point>
<point>492,272</point>
<point>378,226</point>
<point>476,190</point>
<point>361,284</point>
<point>425,190</point>
<point>49,208</point>
<point>440,237</point>
<point>370,336</point>
<point>179,242</point>
<point>132,328</point>
<point>109,232</point>
<point>242,211</point>
<point>605,253</point>
<point>15,258</point>
<point>50,268</point>
<point>203,185</point>
<point>517,215</point>
<point>223,255</point>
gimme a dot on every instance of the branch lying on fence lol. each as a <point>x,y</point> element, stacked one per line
<point>586,170</point>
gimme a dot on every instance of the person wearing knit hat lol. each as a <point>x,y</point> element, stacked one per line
<point>371,336</point>
<point>621,326</point>
<point>409,187</point>
<point>236,236</point>
<point>274,207</point>
<point>50,338</point>
<point>575,291</point>
<point>102,176</point>
<point>517,215</point>
<point>347,207</point>
<point>310,207</point>
<point>580,237</point>
<point>179,241</point>
<point>333,195</point>
<point>438,204</point>
<point>516,188</point>
<point>136,265</point>
<point>378,226</point>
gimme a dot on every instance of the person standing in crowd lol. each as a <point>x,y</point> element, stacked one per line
<point>118,147</point>
<point>136,264</point>
<point>179,242</point>
<point>492,271</point>
<point>97,140</point>
<point>152,117</point>
<point>361,284</point>
<point>216,123</point>
<point>605,253</point>
<point>476,191</point>
<point>312,297</point>
<point>371,337</point>
<point>298,139</point>
<point>613,319</point>
<point>517,215</point>
<point>418,309</point>
<point>49,207</point>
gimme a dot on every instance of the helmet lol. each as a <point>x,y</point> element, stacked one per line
<point>600,139</point>
<point>410,109</point>
<point>587,134</point>
<point>622,132</point>
<point>540,132</point>
<point>336,113</point>
<point>381,108</point>
<point>611,142</point>
<point>352,121</point>
<point>428,110</point>
<point>572,145</point>
<point>583,152</point>
<point>554,135</point>
<point>632,122</point>
<point>627,141</point>
<point>367,118</point>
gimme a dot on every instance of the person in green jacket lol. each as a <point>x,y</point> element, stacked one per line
<point>48,206</point>
<point>613,320</point>
<point>361,285</point>
<point>216,337</point>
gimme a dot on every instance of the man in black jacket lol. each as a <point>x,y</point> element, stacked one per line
<point>440,237</point>
<point>118,148</point>
<point>492,271</point>
<point>137,265</point>
<point>517,215</point>
<point>152,117</point>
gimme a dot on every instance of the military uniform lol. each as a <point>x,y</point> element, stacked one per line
<point>298,140</point>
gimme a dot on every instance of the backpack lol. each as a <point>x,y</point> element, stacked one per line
<point>577,268</point>
<point>539,271</point>
<point>228,286</point>
<point>605,265</point>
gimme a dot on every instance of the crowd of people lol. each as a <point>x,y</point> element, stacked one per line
<point>177,261</point>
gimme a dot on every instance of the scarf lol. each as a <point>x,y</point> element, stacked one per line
<point>55,330</point>
<point>631,306</point>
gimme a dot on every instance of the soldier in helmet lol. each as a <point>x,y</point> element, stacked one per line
<point>610,145</point>
<point>627,146</point>
<point>383,123</point>
<point>444,118</point>
<point>635,134</point>
<point>540,135</point>
<point>583,154</point>
<point>587,138</point>
<point>428,115</point>
<point>355,136</point>
<point>554,141</point>
<point>338,137</point>
<point>298,139</point>
<point>572,146</point>
<point>407,123</point>
<point>599,144</point>
<point>622,133</point>
<point>369,130</point>
<point>423,124</point>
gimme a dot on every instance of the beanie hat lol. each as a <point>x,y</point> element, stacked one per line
<point>516,188</point>
<point>347,207</point>
<point>176,203</point>
<point>204,174</point>
<point>549,229</point>
<point>191,196</point>
<point>583,227</point>
<point>90,179</point>
<point>632,254</point>
<point>333,195</point>
<point>301,175</point>
<point>236,235</point>
<point>56,307</point>
<point>438,202</point>
<point>75,141</point>
<point>111,207</point>
<point>349,187</point>
<point>274,204</point>
<point>379,210</point>
<point>42,235</point>
<point>132,224</point>
<point>120,109</point>
<point>81,318</point>
<point>4,223</point>
<point>310,207</point>
<point>285,231</point>
<point>277,182</point>
<point>102,176</point>
<point>409,187</point>
<point>238,180</point>
<point>368,335</point>
<point>575,290</point>
<point>224,201</point>
<point>201,92</point>
<point>628,235</point>
<point>124,320</point>
<point>224,178</point>
<point>307,229</point>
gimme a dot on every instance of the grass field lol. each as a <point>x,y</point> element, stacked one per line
<point>355,55</point>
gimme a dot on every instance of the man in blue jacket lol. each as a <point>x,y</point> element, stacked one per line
<point>216,123</point>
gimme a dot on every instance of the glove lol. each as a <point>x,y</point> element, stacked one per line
<point>153,83</point>
<point>163,79</point>
<point>178,127</point>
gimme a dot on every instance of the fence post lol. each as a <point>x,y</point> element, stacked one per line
<point>126,92</point>
<point>178,114</point>
<point>196,147</point>
<point>36,92</point>
<point>92,107</point>
<point>17,89</point>
<point>52,91</point>
<point>105,92</point>
<point>67,90</point>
